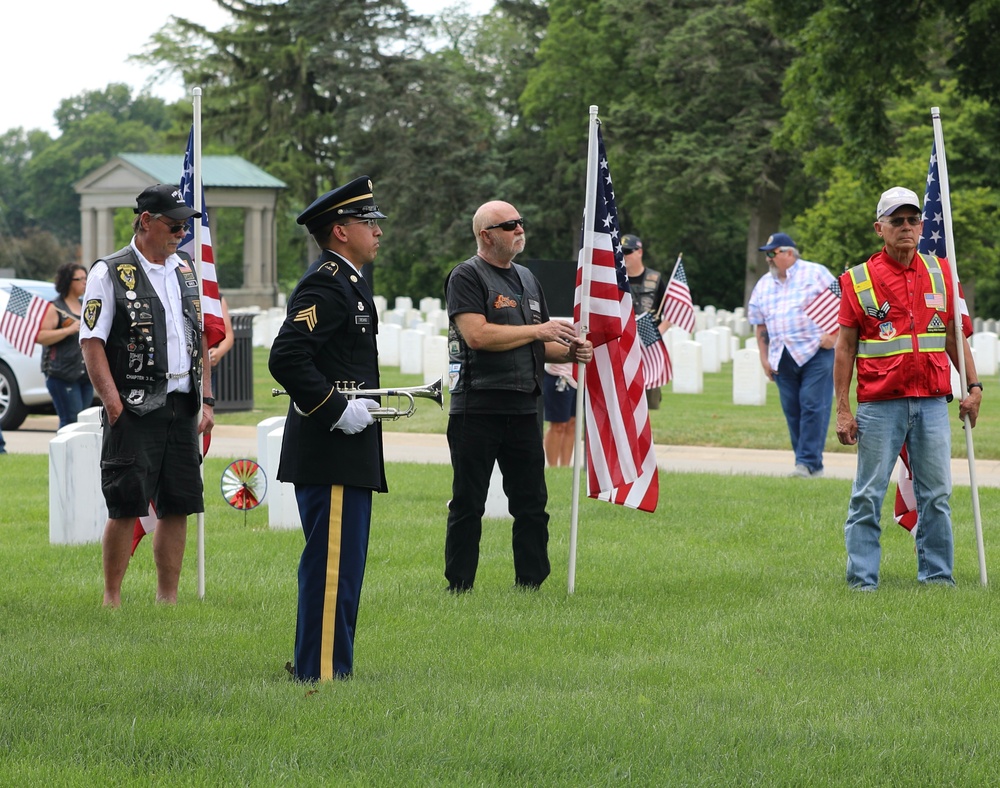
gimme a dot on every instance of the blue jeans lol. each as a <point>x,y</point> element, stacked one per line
<point>806,399</point>
<point>70,398</point>
<point>922,422</point>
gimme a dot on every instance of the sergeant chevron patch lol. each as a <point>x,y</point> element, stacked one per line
<point>307,316</point>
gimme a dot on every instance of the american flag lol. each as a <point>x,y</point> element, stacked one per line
<point>677,305</point>
<point>905,508</point>
<point>211,305</point>
<point>932,239</point>
<point>621,462</point>
<point>655,358</point>
<point>824,308</point>
<point>22,318</point>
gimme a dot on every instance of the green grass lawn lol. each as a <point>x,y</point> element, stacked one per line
<point>712,643</point>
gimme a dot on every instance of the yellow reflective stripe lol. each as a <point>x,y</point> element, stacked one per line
<point>863,287</point>
<point>937,278</point>
<point>874,348</point>
<point>931,343</point>
<point>332,583</point>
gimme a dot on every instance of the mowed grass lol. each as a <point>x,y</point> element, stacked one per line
<point>711,643</point>
<point>706,419</point>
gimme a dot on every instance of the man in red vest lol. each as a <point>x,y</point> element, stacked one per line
<point>897,327</point>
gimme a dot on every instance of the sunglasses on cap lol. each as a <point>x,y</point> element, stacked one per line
<point>508,226</point>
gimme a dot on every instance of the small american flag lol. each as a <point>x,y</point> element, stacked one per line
<point>655,358</point>
<point>22,318</point>
<point>678,307</point>
<point>825,307</point>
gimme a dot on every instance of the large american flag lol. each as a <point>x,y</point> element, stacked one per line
<point>932,238</point>
<point>621,463</point>
<point>655,358</point>
<point>677,305</point>
<point>22,318</point>
<point>211,305</point>
<point>824,309</point>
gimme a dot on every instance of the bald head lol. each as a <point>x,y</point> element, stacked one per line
<point>495,244</point>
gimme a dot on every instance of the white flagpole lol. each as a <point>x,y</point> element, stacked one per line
<point>959,333</point>
<point>586,259</point>
<point>206,367</point>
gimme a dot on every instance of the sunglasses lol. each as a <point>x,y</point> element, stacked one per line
<point>899,221</point>
<point>173,227</point>
<point>628,251</point>
<point>770,255</point>
<point>508,226</point>
<point>370,222</point>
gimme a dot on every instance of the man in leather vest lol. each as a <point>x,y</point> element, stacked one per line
<point>897,326</point>
<point>499,338</point>
<point>332,447</point>
<point>143,345</point>
<point>648,291</point>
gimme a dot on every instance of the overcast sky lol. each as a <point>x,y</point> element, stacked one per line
<point>49,53</point>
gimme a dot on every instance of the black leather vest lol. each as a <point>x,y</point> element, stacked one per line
<point>644,292</point>
<point>64,359</point>
<point>519,369</point>
<point>137,343</point>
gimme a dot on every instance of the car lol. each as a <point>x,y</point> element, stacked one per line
<point>22,384</point>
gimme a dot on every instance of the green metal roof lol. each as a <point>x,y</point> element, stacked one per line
<point>217,171</point>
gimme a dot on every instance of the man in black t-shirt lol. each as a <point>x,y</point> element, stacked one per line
<point>499,338</point>
<point>648,290</point>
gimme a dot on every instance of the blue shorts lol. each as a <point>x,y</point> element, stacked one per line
<point>560,406</point>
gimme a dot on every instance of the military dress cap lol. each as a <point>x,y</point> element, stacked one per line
<point>166,200</point>
<point>352,200</point>
<point>631,243</point>
<point>776,240</point>
<point>895,198</point>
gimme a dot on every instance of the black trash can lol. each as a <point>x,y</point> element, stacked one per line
<point>233,379</point>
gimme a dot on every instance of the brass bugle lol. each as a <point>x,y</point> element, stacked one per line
<point>407,394</point>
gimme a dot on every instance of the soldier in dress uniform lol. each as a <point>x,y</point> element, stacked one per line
<point>332,447</point>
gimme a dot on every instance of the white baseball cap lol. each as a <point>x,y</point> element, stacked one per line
<point>894,198</point>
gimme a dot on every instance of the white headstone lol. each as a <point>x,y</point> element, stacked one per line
<point>709,342</point>
<point>990,325</point>
<point>392,317</point>
<point>403,303</point>
<point>711,318</point>
<point>700,321</point>
<point>686,362</point>
<point>428,304</point>
<point>411,351</point>
<point>496,498</point>
<point>380,305</point>
<point>439,318</point>
<point>749,380</point>
<point>741,326</point>
<point>77,512</point>
<point>725,335</point>
<point>90,415</point>
<point>282,508</point>
<point>977,324</point>
<point>435,362</point>
<point>265,428</point>
<point>388,344</point>
<point>986,346</point>
<point>674,335</point>
<point>426,328</point>
<point>750,343</point>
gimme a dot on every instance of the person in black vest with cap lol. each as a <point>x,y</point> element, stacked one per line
<point>648,290</point>
<point>332,446</point>
<point>143,345</point>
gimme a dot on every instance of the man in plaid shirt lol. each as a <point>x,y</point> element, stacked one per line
<point>794,351</point>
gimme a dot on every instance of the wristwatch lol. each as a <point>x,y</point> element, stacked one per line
<point>211,400</point>
<point>975,385</point>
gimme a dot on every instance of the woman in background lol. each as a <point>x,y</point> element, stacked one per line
<point>62,361</point>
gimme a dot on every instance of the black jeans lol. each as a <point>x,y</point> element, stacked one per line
<point>515,443</point>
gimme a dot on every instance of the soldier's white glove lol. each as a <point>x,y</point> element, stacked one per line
<point>356,416</point>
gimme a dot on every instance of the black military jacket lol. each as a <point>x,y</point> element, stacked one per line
<point>328,339</point>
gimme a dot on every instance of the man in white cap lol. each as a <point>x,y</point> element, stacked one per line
<point>897,326</point>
